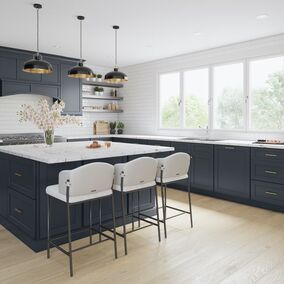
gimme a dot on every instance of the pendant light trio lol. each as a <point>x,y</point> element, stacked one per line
<point>39,66</point>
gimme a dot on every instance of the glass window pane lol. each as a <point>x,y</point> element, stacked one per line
<point>196,98</point>
<point>169,100</point>
<point>229,103</point>
<point>267,94</point>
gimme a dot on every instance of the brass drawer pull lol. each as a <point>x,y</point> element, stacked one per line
<point>229,148</point>
<point>271,172</point>
<point>18,210</point>
<point>270,155</point>
<point>271,193</point>
<point>18,174</point>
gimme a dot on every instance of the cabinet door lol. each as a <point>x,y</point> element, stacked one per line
<point>25,76</point>
<point>201,167</point>
<point>8,67</point>
<point>4,179</point>
<point>54,77</point>
<point>48,175</point>
<point>13,87</point>
<point>232,171</point>
<point>45,90</point>
<point>70,91</point>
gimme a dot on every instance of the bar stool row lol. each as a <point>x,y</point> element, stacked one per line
<point>97,181</point>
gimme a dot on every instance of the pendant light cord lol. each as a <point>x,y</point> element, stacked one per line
<point>115,62</point>
<point>37,43</point>
<point>81,37</point>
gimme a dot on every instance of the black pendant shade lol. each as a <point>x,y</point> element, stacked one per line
<point>116,76</point>
<point>80,71</point>
<point>37,65</point>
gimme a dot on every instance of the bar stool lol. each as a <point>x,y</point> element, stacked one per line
<point>170,169</point>
<point>86,183</point>
<point>132,177</point>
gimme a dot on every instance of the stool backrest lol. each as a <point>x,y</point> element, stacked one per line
<point>139,171</point>
<point>87,179</point>
<point>174,165</point>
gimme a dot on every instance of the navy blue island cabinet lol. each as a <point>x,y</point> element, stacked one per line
<point>57,85</point>
<point>23,202</point>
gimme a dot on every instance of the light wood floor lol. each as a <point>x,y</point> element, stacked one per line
<point>230,243</point>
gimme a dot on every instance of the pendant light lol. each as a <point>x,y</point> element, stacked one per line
<point>80,71</point>
<point>37,65</point>
<point>116,76</point>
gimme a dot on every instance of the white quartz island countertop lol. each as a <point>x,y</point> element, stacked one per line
<point>78,151</point>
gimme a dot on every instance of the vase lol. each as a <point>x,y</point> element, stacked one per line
<point>49,137</point>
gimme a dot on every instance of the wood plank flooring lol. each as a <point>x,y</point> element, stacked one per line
<point>230,243</point>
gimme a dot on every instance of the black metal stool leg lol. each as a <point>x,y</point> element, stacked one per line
<point>139,223</point>
<point>48,226</point>
<point>69,239</point>
<point>164,212</point>
<point>123,220</point>
<point>91,221</point>
<point>157,213</point>
<point>189,203</point>
<point>114,225</point>
<point>132,200</point>
<point>100,220</point>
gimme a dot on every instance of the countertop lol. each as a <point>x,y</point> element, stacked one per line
<point>244,143</point>
<point>78,151</point>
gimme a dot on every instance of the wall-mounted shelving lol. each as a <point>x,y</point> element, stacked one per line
<point>101,84</point>
<point>85,96</point>
<point>103,110</point>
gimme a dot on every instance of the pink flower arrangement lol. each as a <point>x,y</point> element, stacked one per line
<point>46,117</point>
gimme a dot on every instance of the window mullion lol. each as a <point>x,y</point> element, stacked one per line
<point>211,99</point>
<point>246,95</point>
<point>182,101</point>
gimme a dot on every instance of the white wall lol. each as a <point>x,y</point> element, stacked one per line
<point>10,105</point>
<point>141,92</point>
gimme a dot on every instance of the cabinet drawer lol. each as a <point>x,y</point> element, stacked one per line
<point>22,176</point>
<point>268,172</point>
<point>267,155</point>
<point>268,193</point>
<point>22,212</point>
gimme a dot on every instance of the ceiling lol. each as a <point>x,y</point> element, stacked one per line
<point>150,29</point>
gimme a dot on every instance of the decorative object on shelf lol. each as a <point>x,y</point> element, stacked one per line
<point>47,118</point>
<point>37,65</point>
<point>112,126</point>
<point>116,76</point>
<point>99,78</point>
<point>114,93</point>
<point>101,91</point>
<point>97,91</point>
<point>101,127</point>
<point>80,71</point>
<point>120,127</point>
<point>95,144</point>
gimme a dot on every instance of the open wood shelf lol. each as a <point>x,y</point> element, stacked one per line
<point>103,110</point>
<point>101,84</point>
<point>93,97</point>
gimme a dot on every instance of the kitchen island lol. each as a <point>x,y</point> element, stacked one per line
<point>26,171</point>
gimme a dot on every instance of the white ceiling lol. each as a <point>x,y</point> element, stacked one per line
<point>150,29</point>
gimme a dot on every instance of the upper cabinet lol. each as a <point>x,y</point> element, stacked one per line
<point>13,80</point>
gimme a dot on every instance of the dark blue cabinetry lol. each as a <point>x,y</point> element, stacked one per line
<point>4,166</point>
<point>13,80</point>
<point>232,171</point>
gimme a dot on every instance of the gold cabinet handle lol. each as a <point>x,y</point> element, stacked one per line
<point>271,172</point>
<point>271,193</point>
<point>17,174</point>
<point>18,210</point>
<point>270,155</point>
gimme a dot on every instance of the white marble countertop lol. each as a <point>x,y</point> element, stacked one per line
<point>78,151</point>
<point>245,143</point>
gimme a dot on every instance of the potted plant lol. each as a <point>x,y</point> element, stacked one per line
<point>97,91</point>
<point>120,127</point>
<point>99,78</point>
<point>101,91</point>
<point>112,126</point>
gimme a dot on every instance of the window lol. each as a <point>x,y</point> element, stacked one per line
<point>228,94</point>
<point>267,94</point>
<point>196,91</point>
<point>170,100</point>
